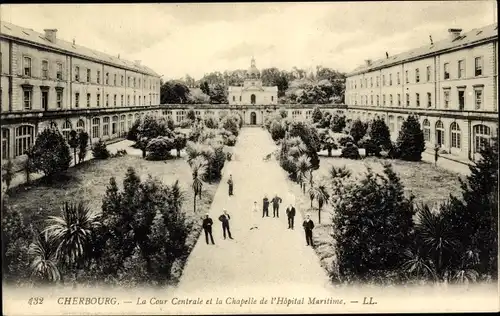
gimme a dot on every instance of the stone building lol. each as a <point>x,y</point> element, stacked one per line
<point>451,85</point>
<point>47,81</point>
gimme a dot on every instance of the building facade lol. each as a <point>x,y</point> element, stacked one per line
<point>451,85</point>
<point>253,91</point>
<point>46,81</point>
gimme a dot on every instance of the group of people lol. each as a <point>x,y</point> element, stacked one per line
<point>308,224</point>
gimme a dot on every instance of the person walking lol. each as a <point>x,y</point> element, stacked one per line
<point>308,227</point>
<point>224,218</point>
<point>276,205</point>
<point>436,154</point>
<point>265,207</point>
<point>207,227</point>
<point>290,213</point>
<point>254,216</point>
<point>230,183</point>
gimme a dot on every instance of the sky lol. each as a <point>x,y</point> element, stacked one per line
<point>194,38</point>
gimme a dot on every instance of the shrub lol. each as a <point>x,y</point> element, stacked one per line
<point>358,130</point>
<point>411,141</point>
<point>283,113</point>
<point>159,148</point>
<point>191,115</point>
<point>317,115</point>
<point>379,133</point>
<point>230,123</point>
<point>83,143</point>
<point>132,133</point>
<point>341,139</point>
<point>393,152</point>
<point>152,127</point>
<point>371,149</point>
<point>51,153</point>
<point>277,130</point>
<point>310,137</point>
<point>170,123</point>
<point>185,124</point>
<point>180,141</point>
<point>351,151</point>
<point>100,151</point>
<point>230,141</point>
<point>211,121</point>
<point>119,153</point>
<point>337,123</point>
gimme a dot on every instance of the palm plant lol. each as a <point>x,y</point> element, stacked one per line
<point>322,196</point>
<point>176,196</point>
<point>198,168</point>
<point>303,166</point>
<point>43,258</point>
<point>418,264</point>
<point>72,232</point>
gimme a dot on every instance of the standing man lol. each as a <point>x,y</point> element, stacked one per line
<point>230,183</point>
<point>224,218</point>
<point>276,205</point>
<point>207,227</point>
<point>254,216</point>
<point>308,227</point>
<point>290,213</point>
<point>265,207</point>
<point>436,154</point>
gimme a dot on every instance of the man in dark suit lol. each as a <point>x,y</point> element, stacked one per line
<point>265,207</point>
<point>290,213</point>
<point>207,227</point>
<point>276,205</point>
<point>230,183</point>
<point>308,227</point>
<point>224,218</point>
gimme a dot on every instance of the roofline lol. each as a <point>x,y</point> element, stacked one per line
<point>67,52</point>
<point>438,52</point>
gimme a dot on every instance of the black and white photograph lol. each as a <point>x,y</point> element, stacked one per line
<point>249,158</point>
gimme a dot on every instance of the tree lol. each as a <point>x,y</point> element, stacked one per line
<point>174,92</point>
<point>309,135</point>
<point>159,148</point>
<point>191,115</point>
<point>73,143</point>
<point>205,88</point>
<point>180,141</point>
<point>83,142</point>
<point>317,115</point>
<point>218,94</point>
<point>51,153</point>
<point>132,133</point>
<point>379,133</point>
<point>358,130</point>
<point>338,123</point>
<point>303,166</point>
<point>411,141</point>
<point>322,196</point>
<point>43,259</point>
<point>100,150</point>
<point>230,123</point>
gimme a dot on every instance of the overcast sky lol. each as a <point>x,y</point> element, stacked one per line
<point>189,38</point>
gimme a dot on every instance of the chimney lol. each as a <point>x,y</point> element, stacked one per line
<point>73,41</point>
<point>454,33</point>
<point>368,62</point>
<point>386,55</point>
<point>430,37</point>
<point>118,56</point>
<point>50,35</point>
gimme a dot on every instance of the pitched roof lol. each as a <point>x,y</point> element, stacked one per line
<point>466,39</point>
<point>14,31</point>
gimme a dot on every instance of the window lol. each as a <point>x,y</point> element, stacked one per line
<point>59,98</point>
<point>407,80</point>
<point>114,100</point>
<point>24,139</point>
<point>59,74</point>
<point>383,100</point>
<point>461,68</point>
<point>107,100</point>
<point>272,98</point>
<point>407,99</point>
<point>27,66</point>
<point>5,143</point>
<point>66,129</point>
<point>399,123</point>
<point>478,98</point>
<point>383,80</point>
<point>240,100</point>
<point>114,125</point>
<point>361,83</point>
<point>134,83</point>
<point>98,76</point>
<point>96,127</point>
<point>45,69</point>
<point>121,81</point>
<point>417,99</point>
<point>371,82</point>
<point>122,124</point>
<point>45,99</point>
<point>429,99</point>
<point>88,100</point>
<point>105,126</point>
<point>391,103</point>
<point>114,79</point>
<point>130,119</point>
<point>461,99</point>
<point>439,133</point>
<point>128,100</point>
<point>427,130</point>
<point>446,98</point>
<point>390,79</point>
<point>428,71</point>
<point>371,99</point>
<point>478,66</point>
<point>27,98</point>
<point>482,136</point>
<point>180,116</point>
<point>398,78</point>
<point>80,125</point>
<point>107,78</point>
<point>77,99</point>
<point>455,135</point>
<point>77,73</point>
<point>417,75</point>
<point>135,103</point>
<point>446,71</point>
<point>88,75</point>
<point>399,99</point>
<point>378,100</point>
<point>98,100</point>
<point>391,123</point>
<point>121,100</point>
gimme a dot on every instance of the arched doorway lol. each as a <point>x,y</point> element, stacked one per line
<point>252,99</point>
<point>253,118</point>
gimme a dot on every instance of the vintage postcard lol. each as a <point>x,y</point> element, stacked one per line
<point>249,158</point>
